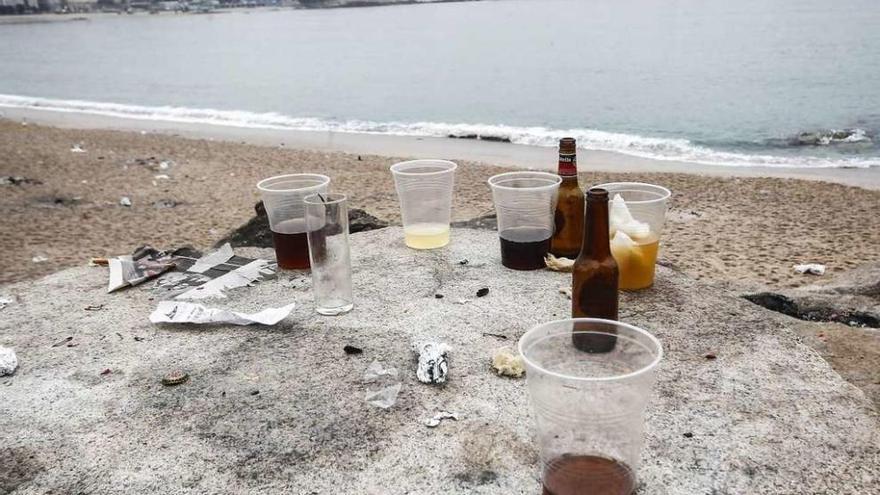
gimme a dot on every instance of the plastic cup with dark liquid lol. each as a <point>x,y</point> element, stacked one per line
<point>283,198</point>
<point>525,203</point>
<point>589,407</point>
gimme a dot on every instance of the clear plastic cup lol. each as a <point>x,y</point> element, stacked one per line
<point>425,191</point>
<point>327,220</point>
<point>589,407</point>
<point>525,203</point>
<point>636,252</point>
<point>283,198</point>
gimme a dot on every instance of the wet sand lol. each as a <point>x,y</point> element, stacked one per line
<point>743,230</point>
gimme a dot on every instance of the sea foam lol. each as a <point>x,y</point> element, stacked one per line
<point>669,149</point>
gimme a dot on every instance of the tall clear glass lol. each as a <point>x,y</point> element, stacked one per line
<point>637,212</point>
<point>425,191</point>
<point>589,407</point>
<point>327,222</point>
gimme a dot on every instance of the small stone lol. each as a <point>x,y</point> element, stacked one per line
<point>8,361</point>
<point>255,392</point>
<point>125,201</point>
<point>174,378</point>
<point>438,296</point>
<point>350,349</point>
<point>483,292</point>
<point>688,435</point>
<point>711,356</point>
<point>107,371</point>
<point>463,262</point>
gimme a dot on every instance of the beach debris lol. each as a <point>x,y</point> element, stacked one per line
<point>350,349</point>
<point>496,335</point>
<point>8,361</point>
<point>387,380</point>
<point>483,292</point>
<point>125,201</point>
<point>130,270</point>
<point>184,312</point>
<point>435,421</point>
<point>62,342</point>
<point>433,366</point>
<point>463,261</point>
<point>77,148</point>
<point>106,371</point>
<point>161,177</point>
<point>506,363</point>
<point>438,296</point>
<point>39,258</point>
<point>710,356</point>
<point>566,291</point>
<point>558,264</point>
<point>212,259</point>
<point>243,276</point>
<point>6,301</point>
<point>17,180</point>
<point>94,307</point>
<point>165,164</point>
<point>165,203</point>
<point>175,377</point>
<point>810,268</point>
<point>462,301</point>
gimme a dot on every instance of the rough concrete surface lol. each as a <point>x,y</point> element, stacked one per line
<point>281,409</point>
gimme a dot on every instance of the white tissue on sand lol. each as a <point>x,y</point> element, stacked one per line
<point>621,220</point>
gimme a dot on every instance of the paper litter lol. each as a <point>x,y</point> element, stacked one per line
<point>439,417</point>
<point>39,259</point>
<point>506,363</point>
<point>240,277</point>
<point>212,259</point>
<point>184,312</point>
<point>387,378</point>
<point>6,301</point>
<point>811,268</point>
<point>8,361</point>
<point>125,201</point>
<point>77,148</point>
<point>433,366</point>
<point>131,270</point>
<point>558,264</point>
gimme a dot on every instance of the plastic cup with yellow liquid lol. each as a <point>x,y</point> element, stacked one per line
<point>637,212</point>
<point>425,191</point>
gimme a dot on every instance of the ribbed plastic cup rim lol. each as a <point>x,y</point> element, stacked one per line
<point>645,369</point>
<point>265,184</point>
<point>663,193</point>
<point>324,199</point>
<point>554,180</point>
<point>450,167</point>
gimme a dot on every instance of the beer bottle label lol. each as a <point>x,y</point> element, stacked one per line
<point>568,165</point>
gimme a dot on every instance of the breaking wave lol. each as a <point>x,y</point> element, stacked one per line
<point>669,149</point>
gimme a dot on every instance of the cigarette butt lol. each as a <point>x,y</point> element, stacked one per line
<point>99,261</point>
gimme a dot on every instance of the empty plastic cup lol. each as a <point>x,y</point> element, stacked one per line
<point>636,220</point>
<point>589,407</point>
<point>283,199</point>
<point>425,191</point>
<point>525,203</point>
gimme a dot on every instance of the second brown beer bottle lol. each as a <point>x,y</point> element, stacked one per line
<point>569,218</point>
<point>595,275</point>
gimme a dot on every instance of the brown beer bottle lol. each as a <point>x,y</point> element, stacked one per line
<point>595,275</point>
<point>569,218</point>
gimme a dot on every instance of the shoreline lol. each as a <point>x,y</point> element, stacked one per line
<point>486,152</point>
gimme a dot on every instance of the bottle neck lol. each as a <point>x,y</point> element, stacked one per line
<point>568,165</point>
<point>596,244</point>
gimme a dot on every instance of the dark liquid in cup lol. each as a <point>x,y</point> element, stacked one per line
<point>524,248</point>
<point>291,250</point>
<point>579,474</point>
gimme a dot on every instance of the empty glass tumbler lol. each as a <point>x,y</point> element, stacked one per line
<point>327,220</point>
<point>589,407</point>
<point>525,203</point>
<point>637,212</point>
<point>283,199</point>
<point>425,191</point>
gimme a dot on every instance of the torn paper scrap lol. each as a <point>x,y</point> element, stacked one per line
<point>811,268</point>
<point>440,416</point>
<point>384,397</point>
<point>433,366</point>
<point>376,371</point>
<point>184,312</point>
<point>137,268</point>
<point>240,277</point>
<point>212,259</point>
<point>558,264</point>
<point>506,363</point>
<point>8,361</point>
<point>5,301</point>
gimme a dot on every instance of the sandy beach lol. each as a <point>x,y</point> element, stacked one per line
<point>70,210</point>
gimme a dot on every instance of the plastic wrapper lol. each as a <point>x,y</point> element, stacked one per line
<point>438,418</point>
<point>386,385</point>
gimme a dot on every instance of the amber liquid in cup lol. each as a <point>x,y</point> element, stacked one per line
<point>291,250</point>
<point>579,474</point>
